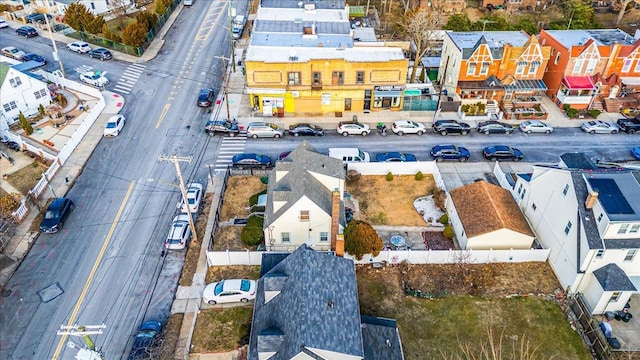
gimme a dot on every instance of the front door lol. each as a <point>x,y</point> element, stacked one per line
<point>367,101</point>
<point>347,104</point>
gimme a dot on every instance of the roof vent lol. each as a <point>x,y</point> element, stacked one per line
<point>388,342</point>
<point>330,303</point>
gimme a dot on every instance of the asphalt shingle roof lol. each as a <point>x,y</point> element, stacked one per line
<point>381,339</point>
<point>612,278</point>
<point>295,4</point>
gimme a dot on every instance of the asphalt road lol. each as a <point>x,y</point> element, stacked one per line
<point>109,259</point>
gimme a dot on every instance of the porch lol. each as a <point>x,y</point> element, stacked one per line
<point>627,333</point>
<point>577,90</point>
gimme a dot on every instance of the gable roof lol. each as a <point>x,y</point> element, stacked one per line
<point>484,207</point>
<point>300,182</point>
<point>612,278</point>
<point>311,310</point>
<point>468,42</point>
<point>381,339</point>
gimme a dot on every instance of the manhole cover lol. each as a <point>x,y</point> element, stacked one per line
<point>50,292</point>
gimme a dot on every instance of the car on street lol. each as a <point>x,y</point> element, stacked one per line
<point>114,125</point>
<point>346,128</point>
<point>635,152</point>
<point>402,127</point>
<point>494,127</point>
<point>449,152</point>
<point>3,24</point>
<point>13,52</point>
<point>535,126</point>
<point>94,78</point>
<point>27,31</point>
<point>251,160</point>
<point>305,130</point>
<point>395,156</point>
<point>221,126</point>
<point>56,215</point>
<point>179,233</point>
<point>101,54</point>
<point>80,47</point>
<point>630,126</point>
<point>146,338</point>
<point>502,152</point>
<point>230,290</point>
<point>205,98</point>
<point>194,198</point>
<point>446,127</point>
<point>59,27</point>
<point>262,129</point>
<point>599,127</point>
<point>12,145</point>
<point>37,18</point>
<point>34,57</point>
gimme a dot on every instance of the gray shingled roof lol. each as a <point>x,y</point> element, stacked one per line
<point>297,27</point>
<point>301,316</point>
<point>299,181</point>
<point>612,278</point>
<point>577,160</point>
<point>293,4</point>
<point>381,339</point>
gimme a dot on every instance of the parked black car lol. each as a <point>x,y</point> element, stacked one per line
<point>630,126</point>
<point>35,57</point>
<point>145,340</point>
<point>446,127</point>
<point>251,160</point>
<point>502,152</point>
<point>205,98</point>
<point>56,214</point>
<point>12,145</point>
<point>495,127</point>
<point>37,18</point>
<point>222,126</point>
<point>101,53</point>
<point>305,129</point>
<point>449,152</point>
<point>27,31</point>
<point>395,156</point>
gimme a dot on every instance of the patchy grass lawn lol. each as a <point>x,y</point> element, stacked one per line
<point>217,273</point>
<point>236,196</point>
<point>385,202</point>
<point>26,178</point>
<point>228,238</point>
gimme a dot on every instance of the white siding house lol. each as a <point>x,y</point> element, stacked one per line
<point>590,220</point>
<point>21,91</point>
<point>304,189</point>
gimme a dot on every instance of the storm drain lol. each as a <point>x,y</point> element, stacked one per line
<point>50,292</point>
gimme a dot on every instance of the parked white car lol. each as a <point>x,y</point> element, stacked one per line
<point>226,291</point>
<point>194,198</point>
<point>346,128</point>
<point>179,233</point>
<point>535,126</point>
<point>3,24</point>
<point>402,127</point>
<point>80,47</point>
<point>114,125</point>
<point>13,52</point>
<point>95,78</point>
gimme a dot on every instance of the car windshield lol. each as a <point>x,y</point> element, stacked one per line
<point>111,125</point>
<point>51,214</point>
<point>147,334</point>
<point>218,289</point>
<point>245,285</point>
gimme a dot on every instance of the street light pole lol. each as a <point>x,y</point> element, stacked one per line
<point>56,56</point>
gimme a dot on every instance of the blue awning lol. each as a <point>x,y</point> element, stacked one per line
<point>526,85</point>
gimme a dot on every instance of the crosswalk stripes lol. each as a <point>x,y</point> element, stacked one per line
<point>129,78</point>
<point>83,69</point>
<point>229,147</point>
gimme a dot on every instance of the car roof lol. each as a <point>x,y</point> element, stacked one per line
<point>57,203</point>
<point>444,146</point>
<point>499,148</point>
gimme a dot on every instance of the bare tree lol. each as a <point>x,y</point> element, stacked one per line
<point>622,10</point>
<point>420,26</point>
<point>119,10</point>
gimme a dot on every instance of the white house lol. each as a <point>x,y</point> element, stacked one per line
<point>96,7</point>
<point>305,201</point>
<point>485,216</point>
<point>590,219</point>
<point>21,91</point>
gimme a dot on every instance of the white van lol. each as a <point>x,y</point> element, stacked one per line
<point>238,25</point>
<point>349,155</point>
<point>187,2</point>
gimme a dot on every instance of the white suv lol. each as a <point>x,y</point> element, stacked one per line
<point>262,129</point>
<point>353,128</point>
<point>402,127</point>
<point>79,47</point>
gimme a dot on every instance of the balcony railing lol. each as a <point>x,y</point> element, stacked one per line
<point>574,99</point>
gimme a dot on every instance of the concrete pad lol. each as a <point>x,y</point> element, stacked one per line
<point>50,292</point>
<point>69,129</point>
<point>189,292</point>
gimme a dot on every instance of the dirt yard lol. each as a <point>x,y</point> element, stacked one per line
<point>26,178</point>
<point>385,202</point>
<point>193,251</point>
<point>236,197</point>
<point>228,238</point>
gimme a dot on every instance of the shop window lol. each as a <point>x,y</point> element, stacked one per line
<point>395,101</point>
<point>294,78</point>
<point>337,78</point>
<point>359,77</point>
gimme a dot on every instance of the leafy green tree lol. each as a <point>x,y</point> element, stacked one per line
<point>577,15</point>
<point>492,22</point>
<point>527,24</point>
<point>76,15</point>
<point>361,238</point>
<point>458,22</point>
<point>147,18</point>
<point>134,34</point>
<point>108,34</point>
<point>25,124</point>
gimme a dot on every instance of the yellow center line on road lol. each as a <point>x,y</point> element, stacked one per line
<point>83,294</point>
<point>163,114</point>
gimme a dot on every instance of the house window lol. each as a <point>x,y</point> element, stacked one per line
<point>520,189</point>
<point>15,82</point>
<point>557,59</point>
<point>631,253</point>
<point>567,228</point>
<point>40,94</point>
<point>600,254</point>
<point>627,65</point>
<point>533,68</point>
<point>471,70</point>
<point>591,66</point>
<point>544,42</point>
<point>600,217</point>
<point>637,69</point>
<point>566,188</point>
<point>634,228</point>
<point>324,236</point>
<point>520,68</point>
<point>359,77</point>
<point>484,70</point>
<point>534,207</point>
<point>9,106</point>
<point>337,78</point>
<point>577,67</point>
<point>623,228</point>
<point>524,191</point>
<point>286,237</point>
<point>294,78</point>
<point>304,215</point>
<point>317,78</point>
<point>614,296</point>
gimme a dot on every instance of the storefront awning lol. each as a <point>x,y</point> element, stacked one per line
<point>578,82</point>
<point>630,81</point>
<point>526,85</point>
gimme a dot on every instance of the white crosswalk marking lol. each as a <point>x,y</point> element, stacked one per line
<point>129,78</point>
<point>229,147</point>
<point>83,69</point>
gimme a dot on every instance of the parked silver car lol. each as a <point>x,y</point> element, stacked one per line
<point>535,126</point>
<point>599,127</point>
<point>262,129</point>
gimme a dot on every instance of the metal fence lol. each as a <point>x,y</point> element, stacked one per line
<point>418,104</point>
<point>587,327</point>
<point>216,220</point>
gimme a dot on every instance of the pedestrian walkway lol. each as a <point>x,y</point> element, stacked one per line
<point>129,78</point>
<point>230,146</point>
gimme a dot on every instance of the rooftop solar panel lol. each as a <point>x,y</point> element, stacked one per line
<point>610,196</point>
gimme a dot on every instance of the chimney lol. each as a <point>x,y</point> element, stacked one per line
<point>340,245</point>
<point>335,218</point>
<point>591,199</point>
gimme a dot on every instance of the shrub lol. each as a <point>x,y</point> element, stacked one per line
<point>594,113</point>
<point>254,198</point>
<point>8,203</point>
<point>419,176</point>
<point>360,238</point>
<point>380,218</point>
<point>439,197</point>
<point>353,177</point>
<point>41,109</point>
<point>264,179</point>
<point>444,219</point>
<point>572,113</point>
<point>389,176</point>
<point>25,124</point>
<point>448,232</point>
<point>252,233</point>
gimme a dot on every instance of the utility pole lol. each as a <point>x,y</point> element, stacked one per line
<point>89,351</point>
<point>49,182</point>
<point>442,84</point>
<point>175,159</point>
<point>225,83</point>
<point>56,56</point>
<point>233,55</point>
